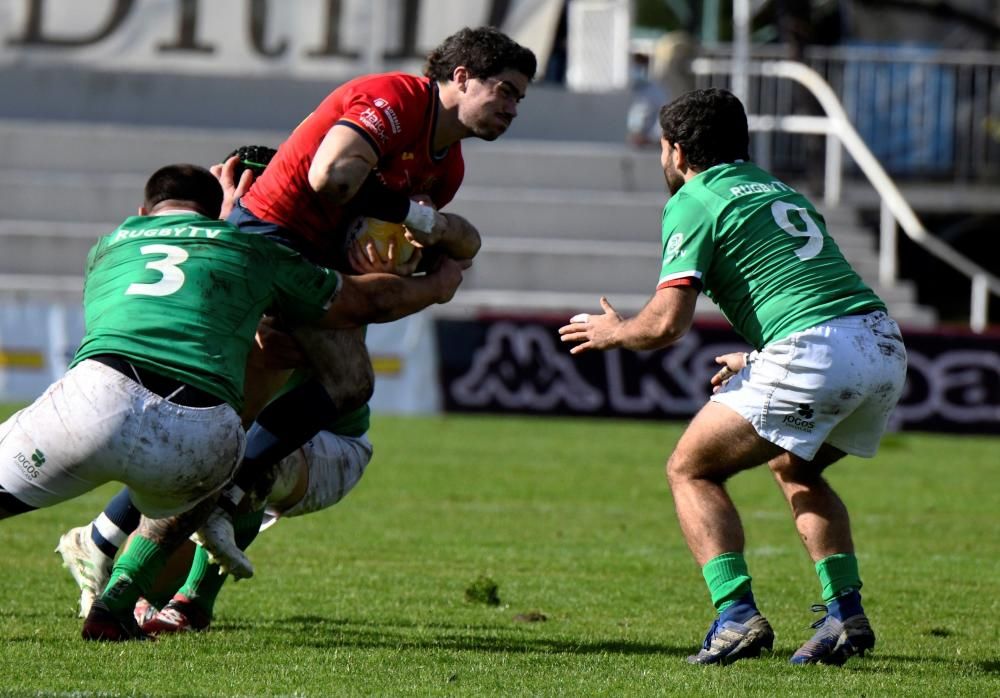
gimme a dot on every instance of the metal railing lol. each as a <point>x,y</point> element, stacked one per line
<point>926,114</point>
<point>839,131</point>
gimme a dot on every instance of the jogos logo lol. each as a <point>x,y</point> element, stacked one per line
<point>31,465</point>
<point>801,419</point>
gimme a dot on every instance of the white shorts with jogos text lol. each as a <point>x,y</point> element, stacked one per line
<point>94,425</point>
<point>834,383</point>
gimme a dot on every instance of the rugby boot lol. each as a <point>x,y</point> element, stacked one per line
<point>835,641</point>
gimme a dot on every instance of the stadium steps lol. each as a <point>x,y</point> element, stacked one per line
<point>562,216</point>
<point>562,223</point>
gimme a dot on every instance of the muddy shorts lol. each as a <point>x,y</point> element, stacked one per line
<point>835,383</point>
<point>95,425</point>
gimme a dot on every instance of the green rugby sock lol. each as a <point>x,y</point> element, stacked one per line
<point>204,582</point>
<point>727,578</point>
<point>838,575</point>
<point>246,527</point>
<point>134,573</point>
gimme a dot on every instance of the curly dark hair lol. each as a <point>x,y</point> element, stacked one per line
<point>252,157</point>
<point>189,183</point>
<point>485,51</point>
<point>709,124</point>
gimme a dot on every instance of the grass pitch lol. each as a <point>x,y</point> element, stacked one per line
<point>572,521</point>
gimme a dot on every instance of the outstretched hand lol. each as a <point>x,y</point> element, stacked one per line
<point>593,332</point>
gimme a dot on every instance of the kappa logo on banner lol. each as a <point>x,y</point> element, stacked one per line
<point>520,367</point>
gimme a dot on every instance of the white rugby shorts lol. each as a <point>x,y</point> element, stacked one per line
<point>94,425</point>
<point>835,383</point>
<point>334,463</point>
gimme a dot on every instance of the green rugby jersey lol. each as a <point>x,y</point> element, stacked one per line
<point>182,295</point>
<point>760,251</point>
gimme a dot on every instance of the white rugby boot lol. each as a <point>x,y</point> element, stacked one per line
<point>218,539</point>
<point>90,567</point>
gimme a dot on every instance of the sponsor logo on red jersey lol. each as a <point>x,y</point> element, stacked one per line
<point>373,122</point>
<point>389,114</point>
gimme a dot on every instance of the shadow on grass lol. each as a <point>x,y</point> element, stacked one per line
<point>325,633</point>
<point>991,666</point>
<point>881,663</point>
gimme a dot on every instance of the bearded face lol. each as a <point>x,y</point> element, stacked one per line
<point>490,104</point>
<point>673,176</point>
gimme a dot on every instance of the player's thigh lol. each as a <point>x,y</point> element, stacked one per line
<point>341,363</point>
<point>718,443</point>
<point>795,391</point>
<point>335,465</point>
<point>181,456</point>
<point>57,448</point>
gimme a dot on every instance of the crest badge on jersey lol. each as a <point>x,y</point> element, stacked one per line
<point>674,245</point>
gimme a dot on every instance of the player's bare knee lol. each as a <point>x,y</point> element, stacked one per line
<point>790,469</point>
<point>681,469</point>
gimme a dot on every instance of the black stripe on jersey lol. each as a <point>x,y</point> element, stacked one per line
<point>367,136</point>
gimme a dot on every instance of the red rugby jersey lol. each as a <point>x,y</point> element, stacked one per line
<point>396,113</point>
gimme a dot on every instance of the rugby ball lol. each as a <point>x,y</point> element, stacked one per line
<point>365,229</point>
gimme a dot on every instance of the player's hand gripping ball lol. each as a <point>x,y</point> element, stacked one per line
<point>381,233</point>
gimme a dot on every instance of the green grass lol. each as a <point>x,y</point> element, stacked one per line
<point>572,519</point>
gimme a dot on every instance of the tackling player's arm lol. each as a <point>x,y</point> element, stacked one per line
<point>665,318</point>
<point>373,298</point>
<point>668,315</point>
<point>459,238</point>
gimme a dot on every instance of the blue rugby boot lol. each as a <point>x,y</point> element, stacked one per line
<point>740,632</point>
<point>837,638</point>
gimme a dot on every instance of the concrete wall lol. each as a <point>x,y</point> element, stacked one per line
<point>188,101</point>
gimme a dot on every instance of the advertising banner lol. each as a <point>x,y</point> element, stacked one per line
<point>318,39</point>
<point>38,341</point>
<point>519,365</point>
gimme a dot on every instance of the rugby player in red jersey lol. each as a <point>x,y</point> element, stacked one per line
<point>386,146</point>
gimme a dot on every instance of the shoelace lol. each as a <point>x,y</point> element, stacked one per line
<point>711,633</point>
<point>819,608</point>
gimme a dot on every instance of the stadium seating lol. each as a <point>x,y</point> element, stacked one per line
<point>562,222</point>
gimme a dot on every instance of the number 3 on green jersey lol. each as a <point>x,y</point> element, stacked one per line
<point>172,277</point>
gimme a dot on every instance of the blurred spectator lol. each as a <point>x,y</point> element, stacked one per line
<point>656,80</point>
<point>648,96</point>
<point>671,65</point>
